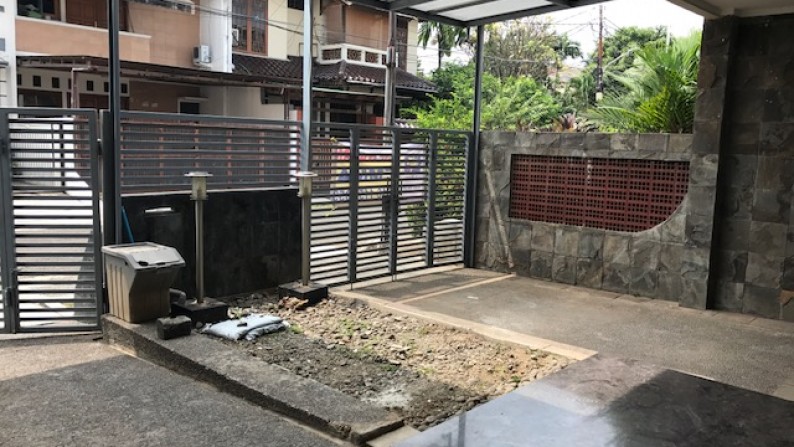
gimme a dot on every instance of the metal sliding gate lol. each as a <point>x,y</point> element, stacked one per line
<point>49,210</point>
<point>386,201</point>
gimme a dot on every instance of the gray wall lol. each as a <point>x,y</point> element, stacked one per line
<point>754,234</point>
<point>252,237</point>
<point>670,261</point>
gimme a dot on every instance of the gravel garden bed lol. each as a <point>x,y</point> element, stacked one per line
<point>423,371</point>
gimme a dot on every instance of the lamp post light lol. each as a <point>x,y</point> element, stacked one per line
<point>198,195</point>
<point>305,180</point>
<point>303,288</point>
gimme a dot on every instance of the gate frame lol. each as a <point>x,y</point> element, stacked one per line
<point>7,248</point>
<point>8,235</point>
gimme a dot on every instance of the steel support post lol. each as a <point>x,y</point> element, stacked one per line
<point>112,229</point>
<point>391,72</point>
<point>394,200</point>
<point>306,141</point>
<point>431,199</point>
<point>472,157</point>
<point>352,260</point>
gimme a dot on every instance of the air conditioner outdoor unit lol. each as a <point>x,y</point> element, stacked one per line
<point>235,37</point>
<point>202,56</point>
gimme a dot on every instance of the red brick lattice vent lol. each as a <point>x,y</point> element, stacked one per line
<point>619,195</point>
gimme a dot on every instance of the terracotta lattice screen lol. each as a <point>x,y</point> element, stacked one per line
<point>620,195</point>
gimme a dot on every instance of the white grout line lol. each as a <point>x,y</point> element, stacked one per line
<point>458,289</point>
<point>399,276</point>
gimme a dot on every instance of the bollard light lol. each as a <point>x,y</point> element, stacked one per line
<point>199,184</point>
<point>198,194</point>
<point>305,180</point>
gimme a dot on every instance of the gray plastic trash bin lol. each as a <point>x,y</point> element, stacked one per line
<point>139,277</point>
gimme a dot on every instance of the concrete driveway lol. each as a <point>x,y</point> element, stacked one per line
<point>74,391</point>
<point>739,350</point>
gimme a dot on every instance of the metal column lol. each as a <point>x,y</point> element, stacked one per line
<point>352,239</point>
<point>306,141</point>
<point>391,72</point>
<point>472,159</point>
<point>431,199</point>
<point>394,200</point>
<point>112,140</point>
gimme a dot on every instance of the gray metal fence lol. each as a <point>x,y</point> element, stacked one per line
<point>158,149</point>
<point>387,200</point>
<point>50,260</point>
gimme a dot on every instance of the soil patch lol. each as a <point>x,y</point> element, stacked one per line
<point>423,371</point>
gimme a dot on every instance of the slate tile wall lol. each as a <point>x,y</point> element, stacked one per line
<point>729,247</point>
<point>252,237</point>
<point>754,231</point>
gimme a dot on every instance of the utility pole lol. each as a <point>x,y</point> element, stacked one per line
<point>391,72</point>
<point>600,69</point>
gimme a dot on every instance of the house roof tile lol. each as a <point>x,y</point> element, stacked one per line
<point>338,73</point>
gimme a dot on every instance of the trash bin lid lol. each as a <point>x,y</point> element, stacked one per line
<point>146,255</point>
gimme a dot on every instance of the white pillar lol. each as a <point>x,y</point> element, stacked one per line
<point>216,31</point>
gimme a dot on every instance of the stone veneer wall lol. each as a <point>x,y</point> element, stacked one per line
<point>670,261</point>
<point>754,233</point>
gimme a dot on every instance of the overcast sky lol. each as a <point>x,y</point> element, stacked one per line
<point>581,24</point>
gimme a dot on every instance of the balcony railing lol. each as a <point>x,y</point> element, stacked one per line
<point>331,54</point>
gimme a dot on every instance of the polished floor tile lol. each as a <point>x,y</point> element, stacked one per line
<point>612,402</point>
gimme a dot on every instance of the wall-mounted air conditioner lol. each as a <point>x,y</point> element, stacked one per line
<point>202,57</point>
<point>235,37</point>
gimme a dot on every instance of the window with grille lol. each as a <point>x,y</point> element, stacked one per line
<point>619,195</point>
<point>249,24</point>
<point>295,4</point>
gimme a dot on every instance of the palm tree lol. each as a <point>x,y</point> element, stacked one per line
<point>660,88</point>
<point>446,37</point>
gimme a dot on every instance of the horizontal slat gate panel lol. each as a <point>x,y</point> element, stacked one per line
<point>371,179</point>
<point>55,219</point>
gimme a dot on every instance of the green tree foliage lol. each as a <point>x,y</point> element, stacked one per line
<point>619,53</point>
<point>446,37</point>
<point>619,47</point>
<point>659,90</point>
<point>526,47</point>
<point>513,103</point>
<point>566,48</point>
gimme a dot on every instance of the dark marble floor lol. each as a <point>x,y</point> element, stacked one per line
<point>610,402</point>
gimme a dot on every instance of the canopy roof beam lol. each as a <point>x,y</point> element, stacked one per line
<point>447,13</point>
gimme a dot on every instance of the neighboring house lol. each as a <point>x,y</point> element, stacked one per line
<point>221,57</point>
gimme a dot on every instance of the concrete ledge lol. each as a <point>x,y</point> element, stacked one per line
<point>263,384</point>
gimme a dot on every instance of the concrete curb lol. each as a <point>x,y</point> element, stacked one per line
<point>260,383</point>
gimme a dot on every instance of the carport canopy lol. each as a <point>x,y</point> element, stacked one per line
<point>469,13</point>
